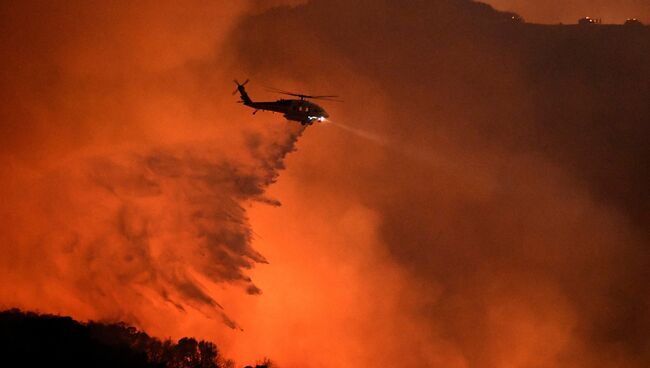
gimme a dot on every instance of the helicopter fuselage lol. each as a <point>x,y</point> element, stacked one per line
<point>302,111</point>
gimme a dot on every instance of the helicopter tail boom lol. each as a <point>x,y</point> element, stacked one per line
<point>242,92</point>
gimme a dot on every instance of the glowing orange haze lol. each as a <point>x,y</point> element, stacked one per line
<point>132,183</point>
<point>112,149</point>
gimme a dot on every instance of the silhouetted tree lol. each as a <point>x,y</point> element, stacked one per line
<point>208,354</point>
<point>264,363</point>
<point>30,339</point>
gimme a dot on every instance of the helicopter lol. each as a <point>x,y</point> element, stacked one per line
<point>300,110</point>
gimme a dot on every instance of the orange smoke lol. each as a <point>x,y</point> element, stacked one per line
<point>485,212</point>
<point>124,184</point>
<point>500,221</point>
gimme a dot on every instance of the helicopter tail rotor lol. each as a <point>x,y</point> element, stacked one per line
<point>242,92</point>
<point>239,85</point>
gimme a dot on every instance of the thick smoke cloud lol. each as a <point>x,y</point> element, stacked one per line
<point>505,222</point>
<point>485,205</point>
<point>124,188</point>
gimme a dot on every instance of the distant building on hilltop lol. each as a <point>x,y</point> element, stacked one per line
<point>633,22</point>
<point>589,21</point>
<point>516,18</point>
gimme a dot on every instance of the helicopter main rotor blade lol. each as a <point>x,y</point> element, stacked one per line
<point>322,97</point>
<point>273,89</point>
<point>327,99</point>
<point>283,92</point>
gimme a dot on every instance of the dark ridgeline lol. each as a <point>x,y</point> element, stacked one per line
<point>33,340</point>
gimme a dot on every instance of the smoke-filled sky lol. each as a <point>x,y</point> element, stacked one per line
<point>124,181</point>
<point>478,200</point>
